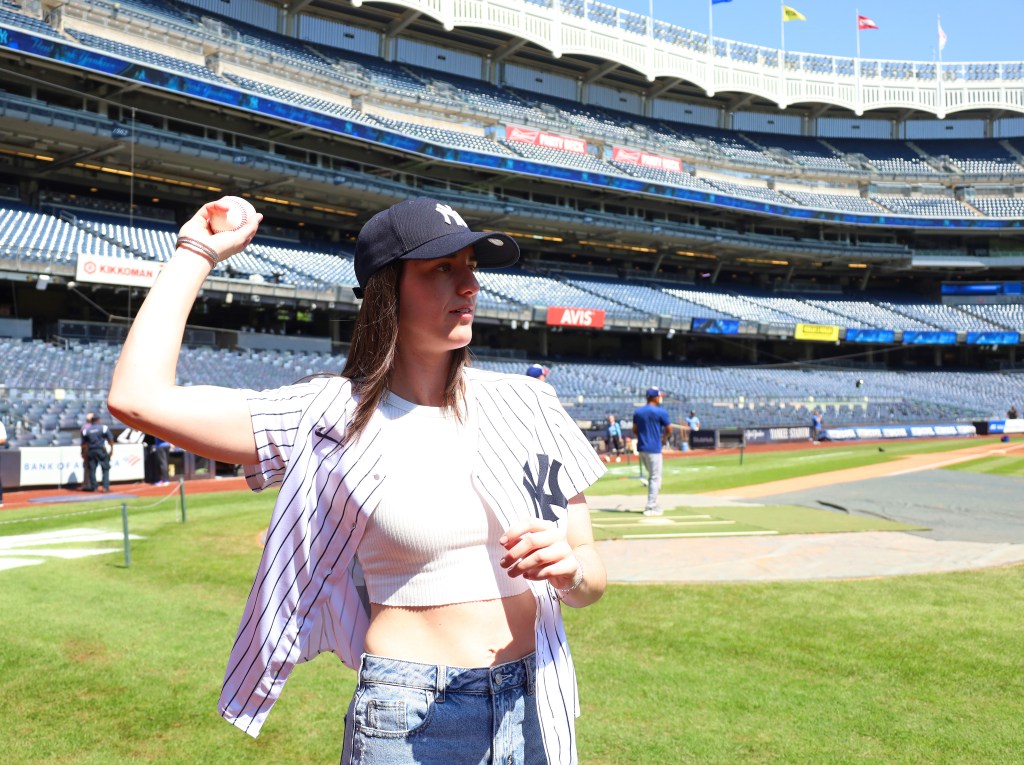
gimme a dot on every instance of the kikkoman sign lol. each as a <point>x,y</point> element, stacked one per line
<point>127,272</point>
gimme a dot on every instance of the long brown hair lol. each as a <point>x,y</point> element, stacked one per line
<point>371,357</point>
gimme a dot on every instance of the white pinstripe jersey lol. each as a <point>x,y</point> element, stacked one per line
<point>530,459</point>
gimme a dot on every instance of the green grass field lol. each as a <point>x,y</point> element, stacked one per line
<point>103,663</point>
<point>1008,465</point>
<point>698,473</point>
<point>734,521</point>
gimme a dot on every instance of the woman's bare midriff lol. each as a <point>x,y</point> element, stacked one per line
<point>477,634</point>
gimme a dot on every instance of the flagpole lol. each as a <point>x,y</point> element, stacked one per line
<point>938,72</point>
<point>711,49</point>
<point>711,27</point>
<point>856,23</point>
<point>856,62</point>
<point>711,24</point>
<point>782,51</point>
<point>782,26</point>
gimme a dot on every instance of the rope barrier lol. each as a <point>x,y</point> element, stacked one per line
<point>172,490</point>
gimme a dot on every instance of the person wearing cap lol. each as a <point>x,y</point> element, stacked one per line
<point>538,372</point>
<point>651,425</point>
<point>437,574</point>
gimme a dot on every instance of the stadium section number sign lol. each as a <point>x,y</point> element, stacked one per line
<point>588,318</point>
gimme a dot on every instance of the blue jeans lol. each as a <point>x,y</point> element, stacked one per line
<point>403,712</point>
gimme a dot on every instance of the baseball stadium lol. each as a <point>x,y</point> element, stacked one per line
<point>821,256</point>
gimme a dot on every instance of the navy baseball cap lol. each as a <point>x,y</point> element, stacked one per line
<point>653,392</point>
<point>536,370</point>
<point>423,229</point>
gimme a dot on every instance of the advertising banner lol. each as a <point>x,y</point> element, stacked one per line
<point>776,435</point>
<point>61,465</point>
<point>703,439</point>
<point>993,338</point>
<point>588,318</point>
<point>547,140</point>
<point>995,427</point>
<point>898,431</point>
<point>858,335</point>
<point>128,272</point>
<point>715,326</point>
<point>821,333</point>
<point>929,338</point>
<point>635,157</point>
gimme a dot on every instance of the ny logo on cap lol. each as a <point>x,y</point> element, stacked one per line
<point>450,216</point>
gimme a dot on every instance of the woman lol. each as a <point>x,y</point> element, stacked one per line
<point>430,518</point>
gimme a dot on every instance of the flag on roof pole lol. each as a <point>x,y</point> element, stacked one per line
<point>863,22</point>
<point>790,14</point>
<point>942,37</point>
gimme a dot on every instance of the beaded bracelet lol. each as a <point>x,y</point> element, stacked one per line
<point>199,248</point>
<point>576,581</point>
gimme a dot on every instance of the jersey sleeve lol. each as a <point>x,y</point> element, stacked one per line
<point>277,417</point>
<point>581,467</point>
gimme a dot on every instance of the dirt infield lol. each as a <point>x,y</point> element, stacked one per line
<point>976,533</point>
<point>902,465</point>
<point>17,498</point>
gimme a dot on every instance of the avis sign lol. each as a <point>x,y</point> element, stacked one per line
<point>588,318</point>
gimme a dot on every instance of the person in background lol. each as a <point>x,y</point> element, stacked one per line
<point>538,372</point>
<point>693,421</point>
<point>1011,414</point>
<point>690,424</point>
<point>3,445</point>
<point>816,425</point>
<point>438,574</point>
<point>615,445</point>
<point>157,452</point>
<point>651,426</point>
<point>161,455</point>
<point>97,448</point>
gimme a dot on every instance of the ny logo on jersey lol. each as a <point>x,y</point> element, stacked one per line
<point>450,216</point>
<point>546,473</point>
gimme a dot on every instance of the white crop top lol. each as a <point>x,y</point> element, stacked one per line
<point>431,541</point>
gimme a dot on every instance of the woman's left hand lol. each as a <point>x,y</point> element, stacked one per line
<point>537,550</point>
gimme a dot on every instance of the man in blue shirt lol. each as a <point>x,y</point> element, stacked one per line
<point>651,425</point>
<point>693,421</point>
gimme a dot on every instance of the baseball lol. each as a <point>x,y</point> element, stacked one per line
<point>238,212</point>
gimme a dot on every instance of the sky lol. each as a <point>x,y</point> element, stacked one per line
<point>976,30</point>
